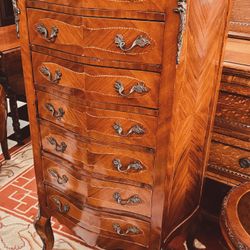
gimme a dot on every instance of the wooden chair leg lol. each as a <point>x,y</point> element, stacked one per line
<point>4,145</point>
<point>15,118</point>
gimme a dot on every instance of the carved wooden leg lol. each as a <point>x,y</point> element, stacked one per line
<point>4,146</point>
<point>15,117</point>
<point>44,230</point>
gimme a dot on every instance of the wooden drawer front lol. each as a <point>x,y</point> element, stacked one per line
<point>228,158</point>
<point>118,227</point>
<point>98,37</point>
<point>98,193</point>
<point>114,162</point>
<point>139,5</point>
<point>103,125</point>
<point>98,84</point>
<point>233,111</point>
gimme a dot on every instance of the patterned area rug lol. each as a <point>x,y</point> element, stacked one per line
<point>18,207</point>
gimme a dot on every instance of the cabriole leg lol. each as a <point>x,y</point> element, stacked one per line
<point>43,228</point>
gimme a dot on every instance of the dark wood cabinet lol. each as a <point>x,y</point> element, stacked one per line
<point>6,13</point>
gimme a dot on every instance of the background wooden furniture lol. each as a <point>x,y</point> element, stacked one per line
<point>114,99</point>
<point>6,13</point>
<point>230,150</point>
<point>235,219</point>
<point>240,20</point>
<point>11,74</point>
<point>3,119</point>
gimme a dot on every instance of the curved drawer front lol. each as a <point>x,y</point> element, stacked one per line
<point>109,39</point>
<point>140,5</point>
<point>98,193</point>
<point>98,84</point>
<point>110,161</point>
<point>103,125</point>
<point>119,227</point>
<point>230,159</point>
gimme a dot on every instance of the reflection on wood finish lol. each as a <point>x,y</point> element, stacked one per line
<point>99,158</point>
<point>98,193</point>
<point>140,5</point>
<point>99,124</point>
<point>106,223</point>
<point>97,37</point>
<point>98,84</point>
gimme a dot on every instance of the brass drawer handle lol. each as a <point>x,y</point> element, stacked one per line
<point>57,114</point>
<point>136,129</point>
<point>54,79</point>
<point>136,166</point>
<point>63,209</point>
<point>135,199</point>
<point>43,31</point>
<point>182,11</point>
<point>244,163</point>
<point>131,230</point>
<point>58,147</point>
<point>140,41</point>
<point>60,180</point>
<point>138,88</point>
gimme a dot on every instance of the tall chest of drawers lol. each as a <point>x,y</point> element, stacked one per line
<point>121,98</point>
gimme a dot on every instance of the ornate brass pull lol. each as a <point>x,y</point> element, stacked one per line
<point>138,88</point>
<point>46,72</point>
<point>60,180</point>
<point>57,114</point>
<point>63,209</point>
<point>135,199</point>
<point>17,12</point>
<point>136,129</point>
<point>136,166</point>
<point>58,147</point>
<point>140,41</point>
<point>244,163</point>
<point>43,31</point>
<point>182,11</point>
<point>131,230</point>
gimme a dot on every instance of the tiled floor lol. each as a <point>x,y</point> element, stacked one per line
<point>10,130</point>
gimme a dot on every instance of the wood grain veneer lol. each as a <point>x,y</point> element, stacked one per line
<point>178,56</point>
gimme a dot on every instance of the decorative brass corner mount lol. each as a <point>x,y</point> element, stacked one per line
<point>182,11</point>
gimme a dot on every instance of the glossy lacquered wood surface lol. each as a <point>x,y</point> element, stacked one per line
<point>98,84</point>
<point>118,13</point>
<point>99,158</point>
<point>95,37</point>
<point>141,5</point>
<point>97,193</point>
<point>104,125</point>
<point>103,224</point>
